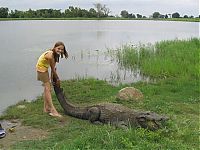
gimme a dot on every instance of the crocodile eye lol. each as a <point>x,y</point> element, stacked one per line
<point>142,119</point>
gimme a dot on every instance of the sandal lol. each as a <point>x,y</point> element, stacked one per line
<point>2,132</point>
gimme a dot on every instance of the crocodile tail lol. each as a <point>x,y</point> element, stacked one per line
<point>70,109</point>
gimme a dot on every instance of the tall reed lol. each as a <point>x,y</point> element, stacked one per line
<point>176,58</point>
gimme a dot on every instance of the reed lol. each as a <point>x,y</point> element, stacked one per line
<point>177,58</point>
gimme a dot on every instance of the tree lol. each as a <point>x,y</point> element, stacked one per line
<point>156,14</point>
<point>166,16</point>
<point>185,16</point>
<point>68,12</point>
<point>99,8</point>
<point>4,12</point>
<point>102,10</point>
<point>85,13</point>
<point>133,16</point>
<point>175,15</point>
<point>106,11</point>
<point>92,12</point>
<point>16,14</point>
<point>139,16</point>
<point>124,13</point>
<point>71,12</point>
<point>30,14</point>
<point>161,16</point>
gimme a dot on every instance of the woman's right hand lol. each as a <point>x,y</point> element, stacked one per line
<point>55,81</point>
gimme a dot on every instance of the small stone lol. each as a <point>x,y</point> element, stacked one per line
<point>11,130</point>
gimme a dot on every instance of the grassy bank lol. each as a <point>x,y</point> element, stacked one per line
<point>108,18</point>
<point>175,93</point>
<point>178,58</point>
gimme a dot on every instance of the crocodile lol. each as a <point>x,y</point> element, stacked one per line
<point>111,113</point>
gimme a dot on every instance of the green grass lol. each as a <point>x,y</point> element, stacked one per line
<point>107,18</point>
<point>176,94</point>
<point>179,103</point>
<point>178,58</point>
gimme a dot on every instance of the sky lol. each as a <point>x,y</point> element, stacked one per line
<point>143,7</point>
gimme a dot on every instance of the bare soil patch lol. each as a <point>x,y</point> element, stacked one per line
<point>16,132</point>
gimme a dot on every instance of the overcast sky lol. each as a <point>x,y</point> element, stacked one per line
<point>143,7</point>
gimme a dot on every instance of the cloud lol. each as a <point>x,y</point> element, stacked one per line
<point>33,4</point>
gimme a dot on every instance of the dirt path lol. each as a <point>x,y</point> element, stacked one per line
<point>16,132</point>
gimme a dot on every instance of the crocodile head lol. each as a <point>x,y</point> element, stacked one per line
<point>150,120</point>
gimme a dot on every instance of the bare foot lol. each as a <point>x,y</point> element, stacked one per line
<point>55,115</point>
<point>46,110</point>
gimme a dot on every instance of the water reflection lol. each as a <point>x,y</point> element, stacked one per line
<point>100,34</point>
<point>102,66</point>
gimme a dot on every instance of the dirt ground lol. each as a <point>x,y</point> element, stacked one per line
<point>16,132</point>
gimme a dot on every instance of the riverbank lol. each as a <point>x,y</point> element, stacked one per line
<point>108,18</point>
<point>175,95</point>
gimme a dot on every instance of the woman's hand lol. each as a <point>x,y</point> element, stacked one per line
<point>58,83</point>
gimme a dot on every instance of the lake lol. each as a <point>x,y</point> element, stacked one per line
<point>87,41</point>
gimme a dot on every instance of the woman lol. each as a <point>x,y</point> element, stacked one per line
<point>46,60</point>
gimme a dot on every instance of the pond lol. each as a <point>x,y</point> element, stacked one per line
<point>87,41</point>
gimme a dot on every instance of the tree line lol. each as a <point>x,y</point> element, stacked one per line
<point>126,14</point>
<point>99,11</point>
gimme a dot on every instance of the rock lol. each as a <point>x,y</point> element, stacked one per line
<point>130,93</point>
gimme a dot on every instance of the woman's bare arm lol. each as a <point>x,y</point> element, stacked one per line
<point>52,63</point>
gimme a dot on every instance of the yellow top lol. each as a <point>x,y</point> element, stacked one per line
<point>43,63</point>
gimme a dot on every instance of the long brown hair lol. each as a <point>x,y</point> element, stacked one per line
<point>56,56</point>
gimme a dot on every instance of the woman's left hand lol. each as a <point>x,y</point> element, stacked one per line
<point>58,83</point>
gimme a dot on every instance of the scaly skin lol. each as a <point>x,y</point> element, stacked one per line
<point>111,113</point>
